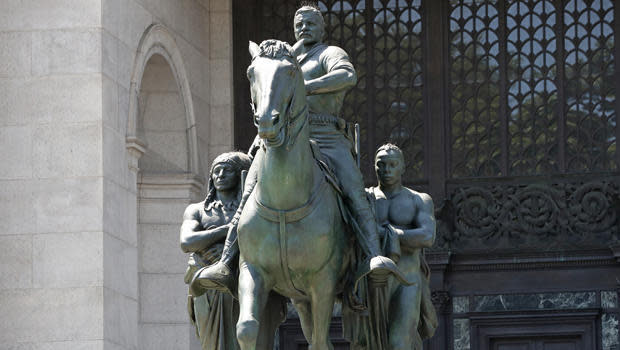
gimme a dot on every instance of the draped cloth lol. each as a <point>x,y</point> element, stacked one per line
<point>213,314</point>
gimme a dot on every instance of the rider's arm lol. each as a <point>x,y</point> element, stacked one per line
<point>340,73</point>
<point>193,238</point>
<point>423,236</point>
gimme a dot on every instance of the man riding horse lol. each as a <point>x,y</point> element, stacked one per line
<point>328,74</point>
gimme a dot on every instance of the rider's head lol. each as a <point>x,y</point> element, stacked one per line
<point>309,25</point>
<point>389,164</point>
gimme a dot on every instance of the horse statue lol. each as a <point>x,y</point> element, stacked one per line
<point>291,234</point>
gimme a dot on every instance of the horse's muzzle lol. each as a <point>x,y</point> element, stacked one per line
<point>271,130</point>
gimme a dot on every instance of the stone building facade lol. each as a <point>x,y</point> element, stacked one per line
<point>91,91</point>
<point>112,110</point>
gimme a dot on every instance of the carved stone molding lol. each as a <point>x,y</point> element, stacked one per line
<point>441,300</point>
<point>531,261</point>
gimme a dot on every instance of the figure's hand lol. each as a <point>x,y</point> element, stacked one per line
<point>223,228</point>
<point>396,230</point>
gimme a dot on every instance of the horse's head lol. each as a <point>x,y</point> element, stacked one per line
<point>277,90</point>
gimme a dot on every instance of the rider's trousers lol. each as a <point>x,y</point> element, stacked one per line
<point>337,149</point>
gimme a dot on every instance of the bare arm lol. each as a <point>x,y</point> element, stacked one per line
<point>340,73</point>
<point>423,236</point>
<point>193,238</point>
<point>335,80</point>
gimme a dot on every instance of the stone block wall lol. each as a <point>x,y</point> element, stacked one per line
<point>51,175</point>
<point>76,272</point>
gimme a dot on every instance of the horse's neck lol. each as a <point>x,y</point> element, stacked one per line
<point>286,177</point>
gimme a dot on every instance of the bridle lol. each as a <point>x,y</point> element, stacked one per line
<point>293,121</point>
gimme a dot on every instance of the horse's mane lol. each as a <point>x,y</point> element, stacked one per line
<point>276,49</point>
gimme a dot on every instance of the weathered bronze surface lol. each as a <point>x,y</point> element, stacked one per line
<point>289,233</point>
<point>407,225</point>
<point>204,228</point>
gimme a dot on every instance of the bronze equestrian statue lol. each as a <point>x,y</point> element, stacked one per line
<point>327,75</point>
<point>289,229</point>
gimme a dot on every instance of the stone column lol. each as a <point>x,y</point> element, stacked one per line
<point>51,177</point>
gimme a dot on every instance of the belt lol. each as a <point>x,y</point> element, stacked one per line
<point>327,119</point>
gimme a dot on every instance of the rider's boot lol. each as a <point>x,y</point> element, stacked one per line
<point>376,266</point>
<point>222,275</point>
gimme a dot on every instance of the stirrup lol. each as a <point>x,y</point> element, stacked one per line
<point>214,277</point>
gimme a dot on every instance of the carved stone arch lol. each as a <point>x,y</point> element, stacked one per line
<point>157,40</point>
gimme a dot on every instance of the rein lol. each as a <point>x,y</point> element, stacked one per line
<point>292,119</point>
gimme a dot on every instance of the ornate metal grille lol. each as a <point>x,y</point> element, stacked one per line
<point>475,95</point>
<point>590,88</point>
<point>532,88</point>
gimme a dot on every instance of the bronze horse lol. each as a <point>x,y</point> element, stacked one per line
<point>291,235</point>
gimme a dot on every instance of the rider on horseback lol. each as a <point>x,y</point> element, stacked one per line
<point>328,75</point>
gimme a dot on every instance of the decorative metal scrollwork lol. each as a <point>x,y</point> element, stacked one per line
<point>591,207</point>
<point>537,216</point>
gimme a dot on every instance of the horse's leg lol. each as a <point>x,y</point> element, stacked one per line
<point>322,295</point>
<point>253,295</point>
<point>273,315</point>
<point>305,317</point>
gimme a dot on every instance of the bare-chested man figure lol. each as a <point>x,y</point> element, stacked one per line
<point>407,216</point>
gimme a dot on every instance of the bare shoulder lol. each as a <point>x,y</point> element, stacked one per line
<point>421,199</point>
<point>192,212</point>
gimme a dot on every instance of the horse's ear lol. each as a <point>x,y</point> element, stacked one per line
<point>253,49</point>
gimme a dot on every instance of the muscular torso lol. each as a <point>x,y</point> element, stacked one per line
<point>214,217</point>
<point>318,62</point>
<point>400,210</point>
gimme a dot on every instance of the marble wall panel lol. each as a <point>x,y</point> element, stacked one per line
<point>610,332</point>
<point>609,299</point>
<point>460,305</point>
<point>461,334</point>
<point>566,300</point>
